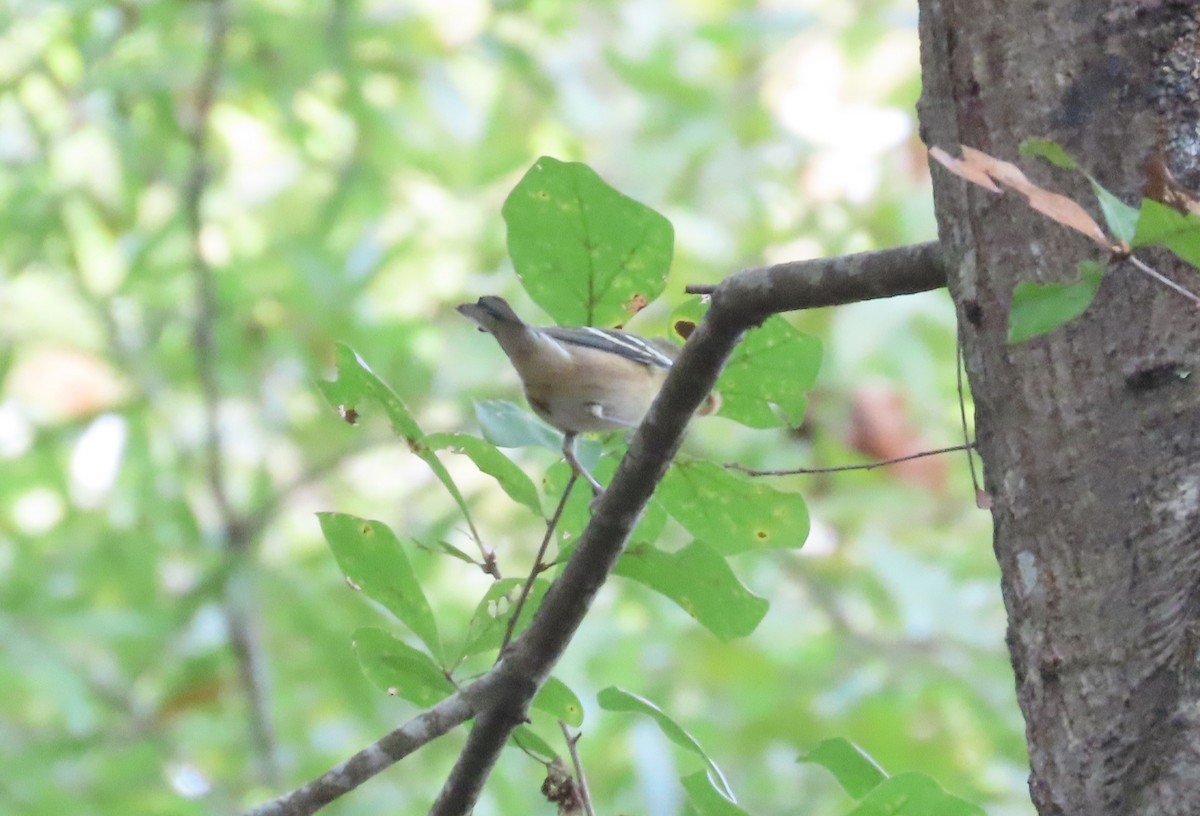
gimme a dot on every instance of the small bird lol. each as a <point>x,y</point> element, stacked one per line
<point>580,379</point>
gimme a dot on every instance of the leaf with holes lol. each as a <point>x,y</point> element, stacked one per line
<point>585,252</point>
<point>766,382</point>
<point>373,560</point>
<point>557,700</point>
<point>400,670</point>
<point>701,582</point>
<point>357,384</point>
<point>488,624</point>
<point>732,513</point>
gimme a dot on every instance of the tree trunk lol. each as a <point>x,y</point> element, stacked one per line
<point>1090,435</point>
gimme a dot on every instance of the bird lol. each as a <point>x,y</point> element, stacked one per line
<point>580,379</point>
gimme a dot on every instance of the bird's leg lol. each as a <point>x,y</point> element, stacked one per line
<point>568,450</point>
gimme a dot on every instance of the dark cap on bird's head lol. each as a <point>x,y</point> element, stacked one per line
<point>488,311</point>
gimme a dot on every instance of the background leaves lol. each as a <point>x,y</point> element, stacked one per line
<point>359,160</point>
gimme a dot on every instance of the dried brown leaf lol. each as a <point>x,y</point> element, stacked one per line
<point>1067,212</point>
<point>961,169</point>
<point>1004,172</point>
<point>980,168</point>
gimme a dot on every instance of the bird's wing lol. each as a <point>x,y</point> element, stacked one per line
<point>613,341</point>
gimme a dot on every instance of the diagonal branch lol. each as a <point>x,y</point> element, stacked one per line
<point>500,699</point>
<point>346,776</point>
<point>738,304</point>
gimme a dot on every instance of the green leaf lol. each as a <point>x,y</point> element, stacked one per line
<point>732,513</point>
<point>1121,218</point>
<point>373,560</point>
<point>701,582</point>
<point>1159,225</point>
<point>766,381</point>
<point>585,253</point>
<point>454,552</point>
<point>557,700</point>
<point>706,798</point>
<point>488,624</point>
<point>491,461</point>
<point>525,738</point>
<point>1038,308</point>
<point>617,699</point>
<point>507,425</point>
<point>1049,150</point>
<point>855,771</point>
<point>775,365</point>
<point>913,794</point>
<point>355,385</point>
<point>400,670</point>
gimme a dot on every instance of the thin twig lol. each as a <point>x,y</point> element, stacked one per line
<point>959,365</point>
<point>1163,279</point>
<point>585,797</point>
<point>207,306</point>
<point>538,567</point>
<point>843,468</point>
<point>238,604</point>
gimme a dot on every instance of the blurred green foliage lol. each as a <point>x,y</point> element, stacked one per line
<point>358,159</point>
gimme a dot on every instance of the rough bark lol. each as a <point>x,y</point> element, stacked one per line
<point>1090,436</point>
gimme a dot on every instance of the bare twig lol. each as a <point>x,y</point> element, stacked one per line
<point>585,796</point>
<point>207,307</point>
<point>843,468</point>
<point>1163,279</point>
<point>959,365</point>
<point>346,776</point>
<point>238,605</point>
<point>538,566</point>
